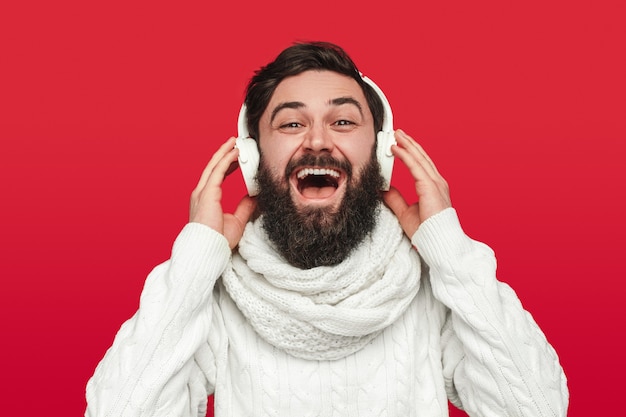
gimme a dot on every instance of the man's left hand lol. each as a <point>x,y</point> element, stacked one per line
<point>431,188</point>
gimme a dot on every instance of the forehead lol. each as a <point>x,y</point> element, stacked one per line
<point>312,87</point>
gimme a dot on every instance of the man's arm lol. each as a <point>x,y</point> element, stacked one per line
<point>496,359</point>
<point>150,369</point>
<point>495,356</point>
<point>152,355</point>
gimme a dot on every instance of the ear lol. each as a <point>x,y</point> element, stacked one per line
<point>248,154</point>
<point>384,141</point>
<point>385,138</point>
<point>249,163</point>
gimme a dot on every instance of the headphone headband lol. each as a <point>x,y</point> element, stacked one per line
<point>242,120</point>
<point>249,158</point>
<point>387,114</point>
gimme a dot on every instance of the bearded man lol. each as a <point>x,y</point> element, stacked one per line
<point>323,295</point>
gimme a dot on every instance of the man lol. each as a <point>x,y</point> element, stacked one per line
<point>319,296</point>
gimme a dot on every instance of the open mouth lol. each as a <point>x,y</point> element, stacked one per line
<point>317,183</point>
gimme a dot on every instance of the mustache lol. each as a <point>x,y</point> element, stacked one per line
<point>325,161</point>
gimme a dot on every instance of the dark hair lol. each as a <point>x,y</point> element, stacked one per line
<point>294,60</point>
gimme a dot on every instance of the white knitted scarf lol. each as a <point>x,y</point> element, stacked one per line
<point>324,313</point>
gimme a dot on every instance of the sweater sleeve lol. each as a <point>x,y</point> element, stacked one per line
<point>150,368</point>
<point>497,362</point>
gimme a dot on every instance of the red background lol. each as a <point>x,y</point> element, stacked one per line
<point>110,110</point>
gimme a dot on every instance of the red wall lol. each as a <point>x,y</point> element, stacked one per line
<point>110,110</point>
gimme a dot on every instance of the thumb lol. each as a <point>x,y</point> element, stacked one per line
<point>236,223</point>
<point>244,209</point>
<point>408,216</point>
<point>395,201</point>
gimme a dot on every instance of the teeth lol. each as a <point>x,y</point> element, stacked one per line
<point>317,171</point>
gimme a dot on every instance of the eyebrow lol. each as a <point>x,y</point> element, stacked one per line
<point>346,100</point>
<point>333,102</point>
<point>286,105</point>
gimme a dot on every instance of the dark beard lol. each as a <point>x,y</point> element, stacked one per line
<point>316,236</point>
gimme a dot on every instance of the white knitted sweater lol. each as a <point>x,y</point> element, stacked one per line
<point>465,338</point>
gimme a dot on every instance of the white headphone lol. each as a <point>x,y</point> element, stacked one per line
<point>249,152</point>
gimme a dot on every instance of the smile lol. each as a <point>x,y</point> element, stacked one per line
<point>317,183</point>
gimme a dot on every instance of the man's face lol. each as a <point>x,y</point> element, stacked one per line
<point>319,177</point>
<point>319,114</point>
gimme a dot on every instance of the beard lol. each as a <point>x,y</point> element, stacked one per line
<point>308,237</point>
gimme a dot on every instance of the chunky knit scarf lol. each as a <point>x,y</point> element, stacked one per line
<point>324,313</point>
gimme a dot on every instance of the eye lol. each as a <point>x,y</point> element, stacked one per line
<point>344,125</point>
<point>290,125</point>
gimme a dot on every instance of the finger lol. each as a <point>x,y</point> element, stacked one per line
<point>417,152</point>
<point>221,169</point>
<point>205,203</point>
<point>233,166</point>
<point>236,223</point>
<point>223,150</point>
<point>408,216</point>
<point>426,179</point>
<point>244,209</point>
<point>416,167</point>
<point>413,143</point>
<point>395,201</point>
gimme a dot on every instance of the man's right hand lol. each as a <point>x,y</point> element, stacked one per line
<point>206,198</point>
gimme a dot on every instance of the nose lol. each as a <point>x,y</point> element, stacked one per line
<point>318,139</point>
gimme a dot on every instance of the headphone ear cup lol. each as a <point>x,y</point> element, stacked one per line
<point>384,141</point>
<point>248,163</point>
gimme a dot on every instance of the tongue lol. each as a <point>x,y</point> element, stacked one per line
<point>317,192</point>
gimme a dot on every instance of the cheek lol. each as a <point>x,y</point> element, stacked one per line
<point>276,158</point>
<point>358,154</point>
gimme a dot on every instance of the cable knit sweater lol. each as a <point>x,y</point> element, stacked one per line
<point>464,338</point>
